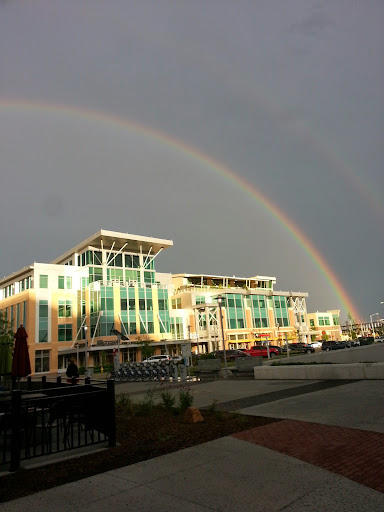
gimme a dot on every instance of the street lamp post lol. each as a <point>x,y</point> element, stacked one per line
<point>219,300</point>
<point>286,339</point>
<point>86,350</point>
<point>372,327</point>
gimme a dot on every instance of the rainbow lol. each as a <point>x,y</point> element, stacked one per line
<point>279,112</point>
<point>212,164</point>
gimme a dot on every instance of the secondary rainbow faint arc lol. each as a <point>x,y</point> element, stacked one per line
<point>217,166</point>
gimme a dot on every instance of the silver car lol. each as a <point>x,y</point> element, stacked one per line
<point>157,359</point>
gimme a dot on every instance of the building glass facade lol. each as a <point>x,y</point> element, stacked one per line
<point>109,283</point>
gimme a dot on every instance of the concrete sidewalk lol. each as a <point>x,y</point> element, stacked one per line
<point>276,467</point>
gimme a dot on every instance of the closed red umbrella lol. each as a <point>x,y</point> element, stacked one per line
<point>21,366</point>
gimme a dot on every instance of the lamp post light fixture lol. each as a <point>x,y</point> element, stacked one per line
<point>219,301</point>
<point>86,350</point>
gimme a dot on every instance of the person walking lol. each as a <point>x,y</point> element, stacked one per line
<point>72,371</point>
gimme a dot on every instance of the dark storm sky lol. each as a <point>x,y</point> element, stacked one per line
<point>288,94</point>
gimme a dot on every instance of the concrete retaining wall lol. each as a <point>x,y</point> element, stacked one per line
<point>370,353</point>
<point>321,372</point>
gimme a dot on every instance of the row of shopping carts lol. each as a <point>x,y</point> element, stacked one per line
<point>143,372</point>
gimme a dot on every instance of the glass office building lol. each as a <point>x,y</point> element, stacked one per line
<point>108,284</point>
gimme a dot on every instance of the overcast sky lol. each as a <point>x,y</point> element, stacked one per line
<point>288,94</point>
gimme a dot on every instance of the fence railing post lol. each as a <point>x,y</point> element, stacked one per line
<point>58,380</point>
<point>43,381</point>
<point>16,430</point>
<point>29,383</point>
<point>111,413</point>
<point>87,380</point>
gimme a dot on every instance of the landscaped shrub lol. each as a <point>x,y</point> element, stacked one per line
<point>207,356</point>
<point>185,399</point>
<point>148,403</point>
<point>168,399</point>
<point>213,406</point>
<point>124,402</point>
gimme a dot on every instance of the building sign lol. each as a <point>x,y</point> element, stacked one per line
<point>106,343</point>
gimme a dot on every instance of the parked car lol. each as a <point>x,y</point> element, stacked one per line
<point>177,359</point>
<point>157,359</point>
<point>302,348</point>
<point>366,340</point>
<point>333,345</point>
<point>299,348</point>
<point>262,351</point>
<point>231,354</point>
<point>316,344</point>
<point>279,349</point>
<point>352,343</point>
<point>380,339</point>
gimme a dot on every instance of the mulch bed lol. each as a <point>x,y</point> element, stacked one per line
<point>140,437</point>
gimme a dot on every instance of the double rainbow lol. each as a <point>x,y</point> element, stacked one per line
<point>211,164</point>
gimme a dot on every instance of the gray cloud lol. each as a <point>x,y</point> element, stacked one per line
<point>287,95</point>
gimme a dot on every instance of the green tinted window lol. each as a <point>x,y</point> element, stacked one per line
<point>65,309</point>
<point>239,301</point>
<point>163,304</point>
<point>43,321</point>
<point>43,281</point>
<point>43,309</point>
<point>65,332</point>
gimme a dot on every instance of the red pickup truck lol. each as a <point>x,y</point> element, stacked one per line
<point>261,351</point>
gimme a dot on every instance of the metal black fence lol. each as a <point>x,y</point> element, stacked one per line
<point>53,418</point>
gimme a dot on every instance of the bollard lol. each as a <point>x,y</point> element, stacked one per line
<point>175,373</point>
<point>183,372</point>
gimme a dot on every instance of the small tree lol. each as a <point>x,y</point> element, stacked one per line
<point>6,333</point>
<point>146,349</point>
<point>6,338</point>
<point>351,322</point>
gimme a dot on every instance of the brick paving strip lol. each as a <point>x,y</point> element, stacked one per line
<point>352,453</point>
